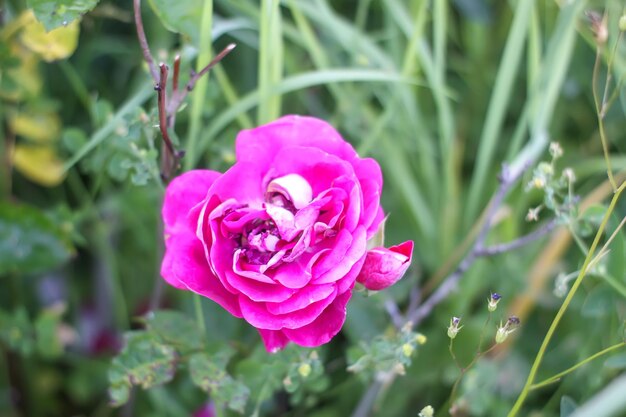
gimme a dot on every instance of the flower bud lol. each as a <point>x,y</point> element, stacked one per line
<point>407,350</point>
<point>555,150</point>
<point>427,411</point>
<point>304,370</point>
<point>568,173</point>
<point>420,339</point>
<point>384,267</point>
<point>505,330</point>
<point>493,301</point>
<point>454,328</point>
<point>533,214</point>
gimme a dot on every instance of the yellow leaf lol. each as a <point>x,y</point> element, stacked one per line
<point>23,80</point>
<point>56,44</point>
<point>39,164</point>
<point>43,127</point>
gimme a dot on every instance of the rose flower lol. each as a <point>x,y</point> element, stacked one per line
<point>280,238</point>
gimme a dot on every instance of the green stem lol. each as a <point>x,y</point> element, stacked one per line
<point>197,101</point>
<point>197,301</point>
<point>558,376</point>
<point>583,271</point>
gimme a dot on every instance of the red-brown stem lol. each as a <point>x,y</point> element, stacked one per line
<point>143,42</point>
<point>179,96</point>
<point>168,164</point>
<point>176,73</point>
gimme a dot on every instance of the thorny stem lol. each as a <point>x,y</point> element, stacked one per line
<point>570,295</point>
<point>143,42</point>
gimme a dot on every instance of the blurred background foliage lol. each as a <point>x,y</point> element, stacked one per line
<point>441,93</point>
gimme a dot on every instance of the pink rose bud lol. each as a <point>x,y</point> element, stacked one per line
<point>384,267</point>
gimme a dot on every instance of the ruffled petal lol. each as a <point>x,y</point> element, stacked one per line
<point>183,193</point>
<point>325,327</point>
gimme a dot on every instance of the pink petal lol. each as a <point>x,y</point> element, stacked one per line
<point>261,145</point>
<point>325,327</point>
<point>242,182</point>
<point>303,298</point>
<point>184,192</point>
<point>255,290</point>
<point>342,257</point>
<point>258,315</point>
<point>274,340</point>
<point>184,266</point>
<point>384,267</point>
<point>292,186</point>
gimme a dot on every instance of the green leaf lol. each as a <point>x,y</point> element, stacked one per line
<point>145,361</point>
<point>568,406</point>
<point>29,241</point>
<point>180,16</point>
<point>599,302</point>
<point>208,372</point>
<point>47,330</point>
<point>16,331</point>
<point>55,13</point>
<point>176,328</point>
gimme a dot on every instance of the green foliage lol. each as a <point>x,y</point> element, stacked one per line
<point>209,373</point>
<point>386,355</point>
<point>441,93</point>
<point>176,329</point>
<point>17,331</point>
<point>55,13</point>
<point>145,361</point>
<point>180,16</point>
<point>30,242</point>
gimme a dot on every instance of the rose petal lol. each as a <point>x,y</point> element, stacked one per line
<point>261,145</point>
<point>274,340</point>
<point>258,315</point>
<point>325,327</point>
<point>292,186</point>
<point>184,192</point>
<point>301,299</point>
<point>184,266</point>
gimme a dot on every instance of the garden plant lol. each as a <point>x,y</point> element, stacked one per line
<point>313,208</point>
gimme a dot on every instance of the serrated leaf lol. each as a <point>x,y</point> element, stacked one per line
<point>50,45</point>
<point>176,328</point>
<point>180,16</point>
<point>145,361</point>
<point>208,372</point>
<point>29,241</point>
<point>55,13</point>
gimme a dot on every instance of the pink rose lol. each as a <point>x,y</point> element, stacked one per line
<point>280,238</point>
